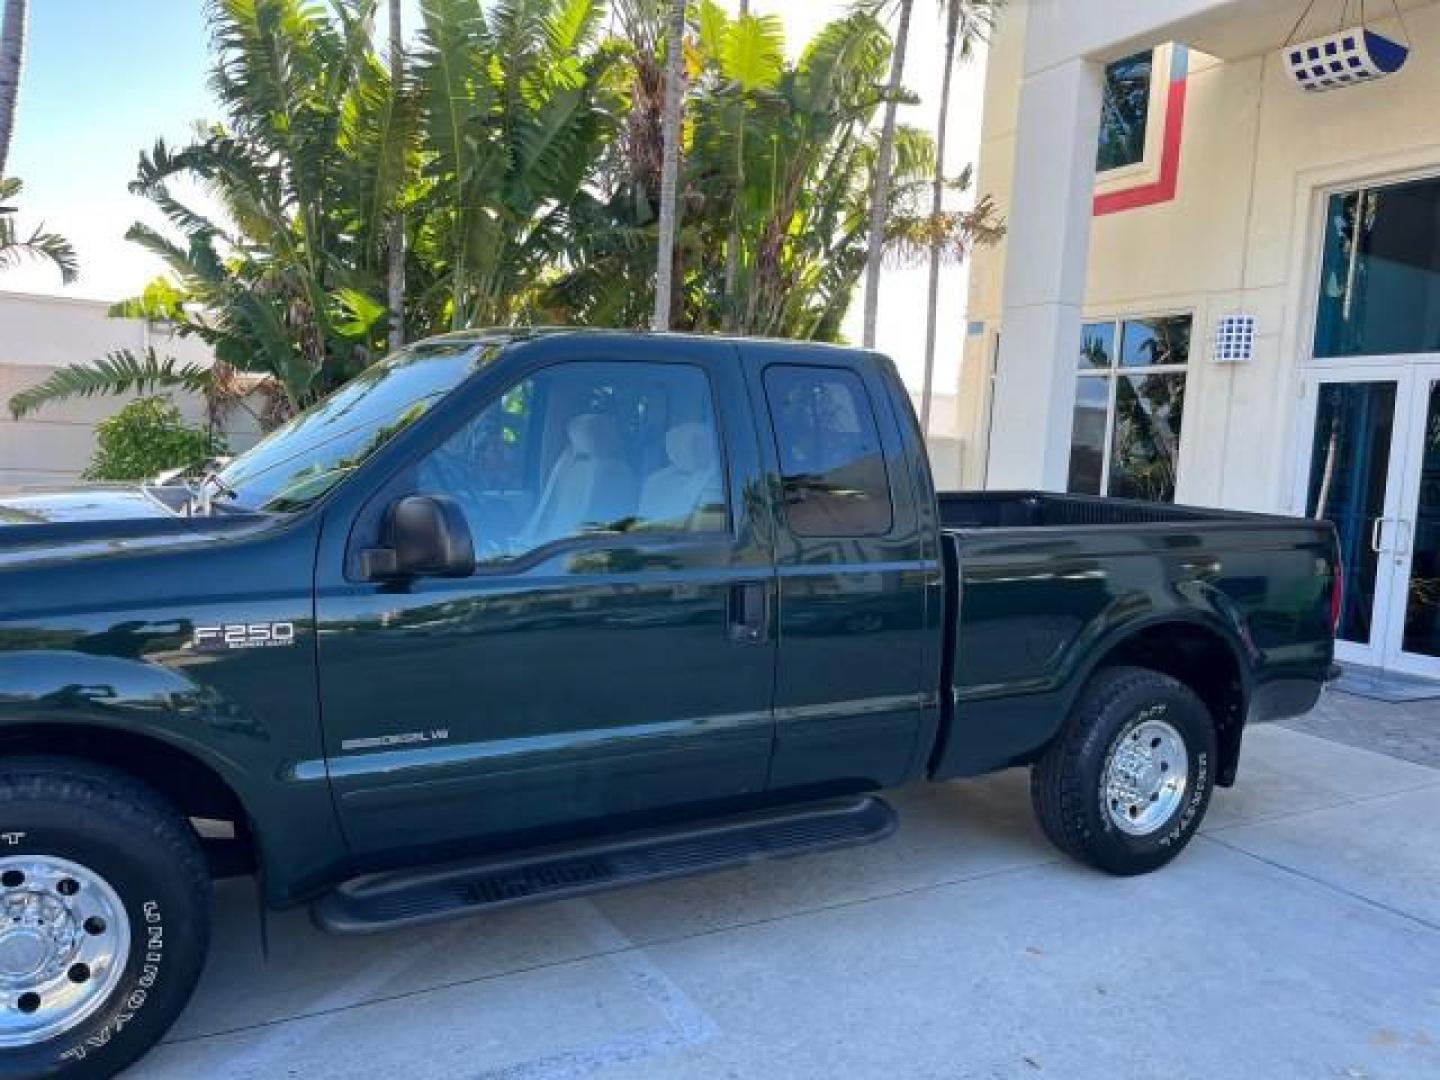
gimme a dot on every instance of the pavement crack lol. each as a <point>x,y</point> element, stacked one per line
<point>601,954</point>
<point>1287,815</point>
<point>1369,901</point>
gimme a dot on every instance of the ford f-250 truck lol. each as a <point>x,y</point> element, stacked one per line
<point>525,615</point>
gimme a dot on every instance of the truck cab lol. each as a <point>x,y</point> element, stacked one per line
<point>703,576</point>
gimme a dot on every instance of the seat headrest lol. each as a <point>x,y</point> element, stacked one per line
<point>691,447</point>
<point>594,435</point>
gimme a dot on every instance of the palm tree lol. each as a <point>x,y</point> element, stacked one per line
<point>880,197</point>
<point>39,245</point>
<point>395,238</point>
<point>966,21</point>
<point>801,199</point>
<point>732,242</point>
<point>12,58</point>
<point>670,170</point>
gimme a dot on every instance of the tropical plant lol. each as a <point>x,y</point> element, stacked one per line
<point>16,247</point>
<point>306,166</point>
<point>779,164</point>
<point>12,59</point>
<point>519,146</point>
<point>519,100</point>
<point>148,437</point>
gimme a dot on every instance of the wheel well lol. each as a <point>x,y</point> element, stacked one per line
<point>1202,660</point>
<point>196,790</point>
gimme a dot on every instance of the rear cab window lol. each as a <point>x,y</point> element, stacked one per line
<point>833,473</point>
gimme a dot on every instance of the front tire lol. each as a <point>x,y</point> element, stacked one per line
<point>104,918</point>
<point>1125,786</point>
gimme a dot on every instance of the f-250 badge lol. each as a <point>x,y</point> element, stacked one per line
<point>268,635</point>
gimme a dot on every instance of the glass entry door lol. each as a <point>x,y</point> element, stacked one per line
<point>1350,481</point>
<point>1415,544</point>
<point>1374,471</point>
<point>1373,409</point>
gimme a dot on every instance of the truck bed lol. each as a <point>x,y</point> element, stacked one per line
<point>1042,588</point>
<point>963,511</point>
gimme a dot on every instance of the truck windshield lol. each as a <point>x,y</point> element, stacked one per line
<point>301,461</point>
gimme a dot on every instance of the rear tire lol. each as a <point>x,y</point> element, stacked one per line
<point>104,918</point>
<point>1128,781</point>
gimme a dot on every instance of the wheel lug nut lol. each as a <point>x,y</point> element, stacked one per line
<point>12,879</point>
<point>67,887</point>
<point>94,926</point>
<point>80,973</point>
<point>28,1003</point>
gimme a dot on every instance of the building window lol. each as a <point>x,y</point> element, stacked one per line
<point>1129,405</point>
<point>1380,287</point>
<point>1125,112</point>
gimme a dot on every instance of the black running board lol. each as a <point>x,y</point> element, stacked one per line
<point>387,901</point>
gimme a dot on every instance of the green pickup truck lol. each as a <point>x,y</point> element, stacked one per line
<point>524,615</point>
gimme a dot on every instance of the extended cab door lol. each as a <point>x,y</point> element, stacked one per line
<point>612,658</point>
<point>860,589</point>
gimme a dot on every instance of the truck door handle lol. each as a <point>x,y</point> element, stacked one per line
<point>1377,528</point>
<point>749,612</point>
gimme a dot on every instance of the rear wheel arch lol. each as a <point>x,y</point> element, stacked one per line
<point>195,788</point>
<point>1200,656</point>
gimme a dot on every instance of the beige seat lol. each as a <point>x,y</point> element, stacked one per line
<point>688,493</point>
<point>590,487</point>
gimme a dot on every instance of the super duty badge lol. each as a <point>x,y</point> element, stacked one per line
<point>267,635</point>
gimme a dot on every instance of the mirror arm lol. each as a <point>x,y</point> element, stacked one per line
<point>379,564</point>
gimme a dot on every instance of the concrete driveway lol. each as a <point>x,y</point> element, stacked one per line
<point>1298,937</point>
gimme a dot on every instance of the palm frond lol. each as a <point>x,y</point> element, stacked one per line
<point>910,240</point>
<point>39,246</point>
<point>114,374</point>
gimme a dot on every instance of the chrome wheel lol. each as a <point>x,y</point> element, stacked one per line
<point>64,939</point>
<point>1146,777</point>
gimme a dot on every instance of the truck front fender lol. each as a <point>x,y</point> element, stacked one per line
<point>142,711</point>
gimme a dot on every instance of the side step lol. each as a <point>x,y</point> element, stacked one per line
<point>387,901</point>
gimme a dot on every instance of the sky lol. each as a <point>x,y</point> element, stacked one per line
<point>105,79</point>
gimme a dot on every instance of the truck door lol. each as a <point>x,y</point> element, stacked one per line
<point>859,583</point>
<point>612,658</point>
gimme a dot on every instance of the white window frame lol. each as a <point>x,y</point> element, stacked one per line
<point>1116,371</point>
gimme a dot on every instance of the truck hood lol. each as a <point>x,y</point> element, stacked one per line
<point>86,522</point>
<point>81,504</point>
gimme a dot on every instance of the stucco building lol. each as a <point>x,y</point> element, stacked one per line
<point>41,333</point>
<point>1218,286</point>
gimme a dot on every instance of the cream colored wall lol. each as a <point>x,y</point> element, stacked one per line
<point>41,333</point>
<point>1004,65</point>
<point>1242,235</point>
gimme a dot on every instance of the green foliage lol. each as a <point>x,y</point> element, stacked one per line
<point>522,152</point>
<point>39,245</point>
<point>148,437</point>
<point>119,372</point>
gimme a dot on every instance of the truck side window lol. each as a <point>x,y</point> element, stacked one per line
<point>586,449</point>
<point>831,462</point>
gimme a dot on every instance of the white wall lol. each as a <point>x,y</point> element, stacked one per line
<point>41,333</point>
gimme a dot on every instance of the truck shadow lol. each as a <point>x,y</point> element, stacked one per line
<point>949,833</point>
